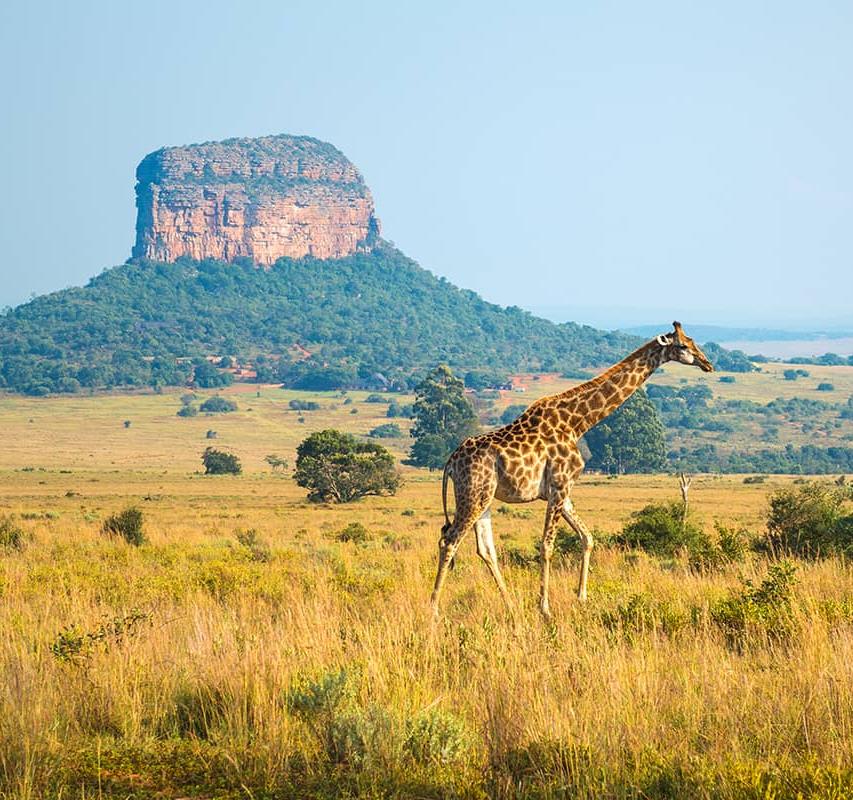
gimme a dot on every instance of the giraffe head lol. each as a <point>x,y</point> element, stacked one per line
<point>678,346</point>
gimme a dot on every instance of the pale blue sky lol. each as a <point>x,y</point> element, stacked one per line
<point>626,161</point>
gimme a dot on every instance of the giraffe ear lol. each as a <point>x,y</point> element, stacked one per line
<point>663,341</point>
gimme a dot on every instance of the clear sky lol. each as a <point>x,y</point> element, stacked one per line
<point>619,163</point>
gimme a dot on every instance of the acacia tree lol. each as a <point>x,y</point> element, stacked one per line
<point>631,439</point>
<point>337,468</point>
<point>443,418</point>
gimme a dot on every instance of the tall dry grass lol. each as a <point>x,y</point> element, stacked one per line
<point>174,668</point>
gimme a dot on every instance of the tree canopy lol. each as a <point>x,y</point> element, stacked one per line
<point>338,468</point>
<point>631,439</point>
<point>371,319</point>
<point>443,418</point>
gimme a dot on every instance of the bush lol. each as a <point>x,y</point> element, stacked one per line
<point>218,405</point>
<point>727,379</point>
<point>826,387</point>
<point>338,468</point>
<point>810,521</point>
<point>218,462</point>
<point>377,398</point>
<point>11,536</point>
<point>259,550</point>
<point>188,411</point>
<point>437,737</point>
<point>354,532</point>
<point>389,430</point>
<point>304,405</point>
<point>658,529</point>
<point>127,525</point>
<point>766,609</point>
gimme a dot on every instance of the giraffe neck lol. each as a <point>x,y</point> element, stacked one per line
<point>596,399</point>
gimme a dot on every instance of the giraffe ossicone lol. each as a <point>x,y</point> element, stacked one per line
<point>536,457</point>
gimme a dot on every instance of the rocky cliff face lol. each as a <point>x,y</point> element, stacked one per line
<point>260,198</point>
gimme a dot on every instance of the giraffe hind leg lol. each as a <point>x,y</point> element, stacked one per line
<point>486,550</point>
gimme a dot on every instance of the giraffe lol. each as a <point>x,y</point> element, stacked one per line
<point>536,457</point>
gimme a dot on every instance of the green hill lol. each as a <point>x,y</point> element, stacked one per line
<point>143,322</point>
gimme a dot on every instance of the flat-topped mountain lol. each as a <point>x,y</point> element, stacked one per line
<point>263,199</point>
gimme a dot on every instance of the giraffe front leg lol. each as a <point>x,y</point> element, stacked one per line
<point>577,525</point>
<point>546,551</point>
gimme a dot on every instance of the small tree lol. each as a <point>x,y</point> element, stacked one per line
<point>337,468</point>
<point>443,418</point>
<point>218,462</point>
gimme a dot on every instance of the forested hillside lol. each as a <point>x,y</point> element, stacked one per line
<point>376,312</point>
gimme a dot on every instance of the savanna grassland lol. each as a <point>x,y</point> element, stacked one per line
<point>260,646</point>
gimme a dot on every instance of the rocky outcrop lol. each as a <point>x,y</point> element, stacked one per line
<point>261,199</point>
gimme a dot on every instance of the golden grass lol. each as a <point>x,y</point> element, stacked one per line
<point>192,699</point>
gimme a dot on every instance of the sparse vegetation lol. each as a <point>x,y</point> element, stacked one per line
<point>126,525</point>
<point>12,536</point>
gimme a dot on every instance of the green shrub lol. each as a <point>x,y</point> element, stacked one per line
<point>218,405</point>
<point>306,405</point>
<point>437,737</point>
<point>766,610</point>
<point>826,387</point>
<point>389,430</point>
<point>732,543</point>
<point>188,411</point>
<point>377,398</point>
<point>218,462</point>
<point>810,521</point>
<point>354,532</point>
<point>12,537</point>
<point>660,529</point>
<point>259,550</point>
<point>755,479</point>
<point>126,524</point>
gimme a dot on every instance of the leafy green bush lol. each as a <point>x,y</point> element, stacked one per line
<point>188,411</point>
<point>811,521</point>
<point>660,529</point>
<point>377,398</point>
<point>218,405</point>
<point>12,537</point>
<point>826,387</point>
<point>390,430</point>
<point>127,525</point>
<point>766,610</point>
<point>305,405</point>
<point>354,532</point>
<point>437,737</point>
<point>218,462</point>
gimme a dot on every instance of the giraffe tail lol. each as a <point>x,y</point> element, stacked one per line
<point>444,496</point>
<point>446,526</point>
